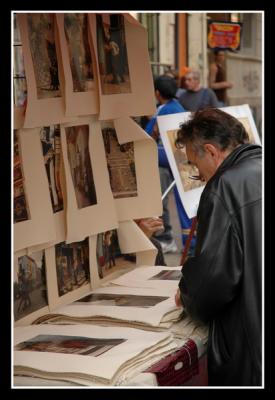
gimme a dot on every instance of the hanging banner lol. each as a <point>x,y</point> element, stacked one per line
<point>224,35</point>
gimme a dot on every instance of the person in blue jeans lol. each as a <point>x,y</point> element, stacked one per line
<point>165,92</point>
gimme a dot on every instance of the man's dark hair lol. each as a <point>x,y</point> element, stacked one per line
<point>166,85</point>
<point>212,125</point>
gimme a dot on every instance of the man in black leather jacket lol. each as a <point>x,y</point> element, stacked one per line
<point>221,285</point>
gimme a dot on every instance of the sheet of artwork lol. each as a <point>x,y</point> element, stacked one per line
<point>54,166</point>
<point>45,104</point>
<point>18,117</point>
<point>151,277</point>
<point>80,85</point>
<point>190,189</point>
<point>132,162</point>
<point>102,356</point>
<point>33,217</point>
<point>121,164</point>
<point>118,251</point>
<point>21,208</point>
<point>143,305</point>
<point>123,66</point>
<point>68,272</point>
<point>30,298</point>
<point>109,256</point>
<point>244,115</point>
<point>90,207</point>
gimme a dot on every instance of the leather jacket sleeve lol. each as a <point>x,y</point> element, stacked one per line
<point>211,278</point>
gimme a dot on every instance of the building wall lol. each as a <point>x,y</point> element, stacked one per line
<point>244,68</point>
<point>167,38</point>
<point>197,45</point>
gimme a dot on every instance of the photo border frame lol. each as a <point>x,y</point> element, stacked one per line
<point>134,103</point>
<point>76,103</point>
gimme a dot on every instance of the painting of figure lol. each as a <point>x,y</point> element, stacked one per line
<point>109,256</point>
<point>80,165</point>
<point>112,54</point>
<point>51,148</point>
<point>29,285</point>
<point>76,32</point>
<point>246,124</point>
<point>188,172</point>
<point>41,31</point>
<point>121,165</point>
<point>72,266</point>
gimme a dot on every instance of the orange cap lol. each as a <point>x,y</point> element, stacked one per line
<point>184,71</point>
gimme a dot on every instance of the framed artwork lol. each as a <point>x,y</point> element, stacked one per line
<point>78,60</point>
<point>90,204</point>
<point>68,275</point>
<point>123,66</point>
<point>45,104</point>
<point>30,297</point>
<point>33,216</point>
<point>189,189</point>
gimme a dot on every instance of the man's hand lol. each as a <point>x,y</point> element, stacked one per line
<point>150,225</point>
<point>178,299</point>
<point>155,133</point>
<point>229,85</point>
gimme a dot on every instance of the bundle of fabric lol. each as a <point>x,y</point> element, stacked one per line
<point>87,355</point>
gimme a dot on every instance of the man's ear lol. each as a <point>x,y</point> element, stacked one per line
<point>157,94</point>
<point>212,150</point>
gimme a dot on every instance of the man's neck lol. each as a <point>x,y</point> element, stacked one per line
<point>197,89</point>
<point>163,101</point>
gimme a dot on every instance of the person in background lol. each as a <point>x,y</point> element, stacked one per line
<point>217,78</point>
<point>221,285</point>
<point>196,97</point>
<point>165,91</point>
<point>173,73</point>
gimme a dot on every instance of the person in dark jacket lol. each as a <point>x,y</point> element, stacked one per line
<point>221,285</point>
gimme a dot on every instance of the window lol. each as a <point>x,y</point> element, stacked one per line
<point>19,77</point>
